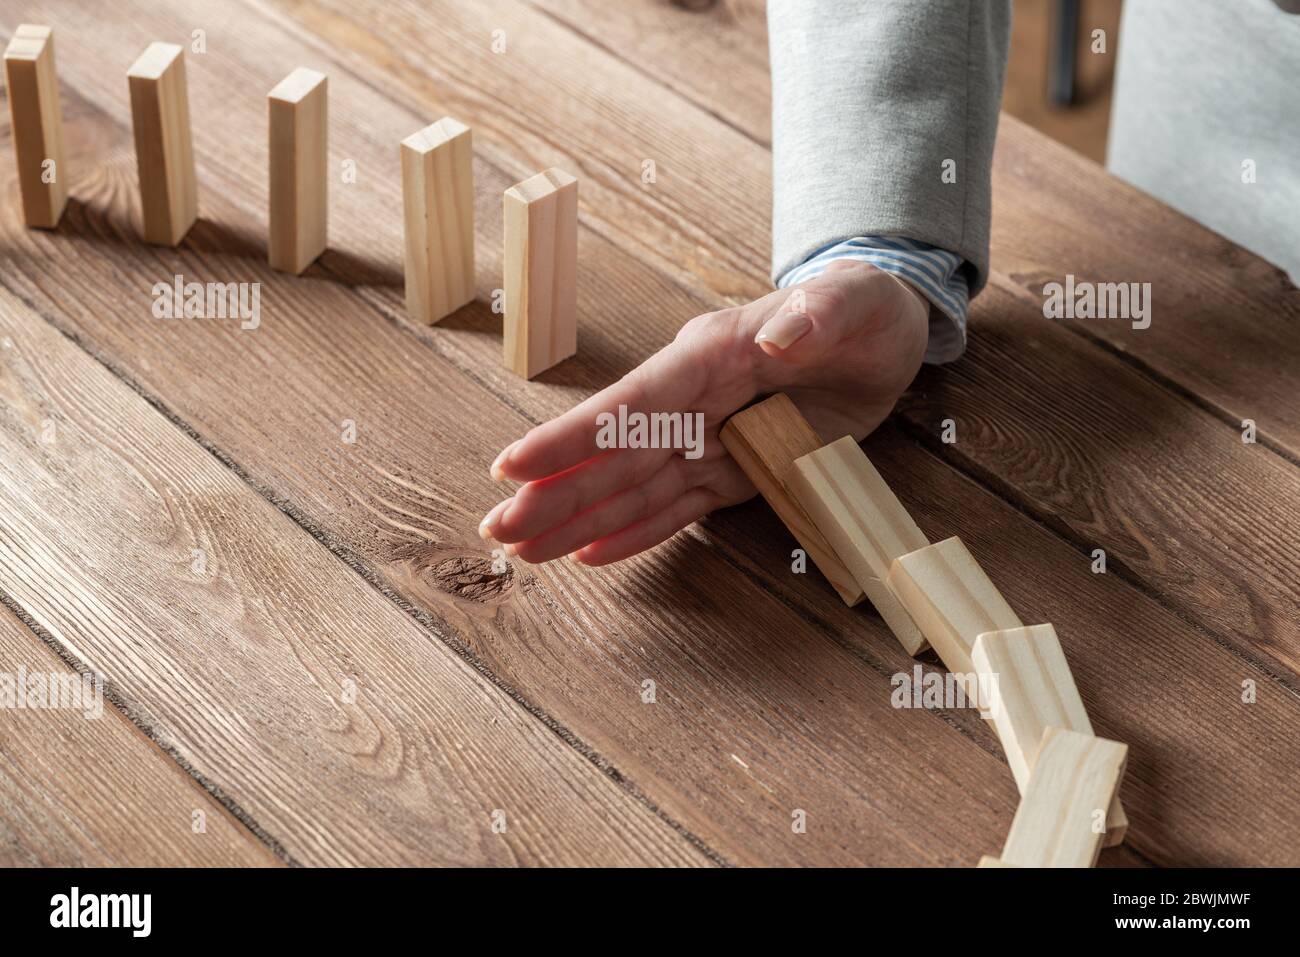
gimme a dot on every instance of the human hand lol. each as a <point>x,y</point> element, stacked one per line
<point>843,346</point>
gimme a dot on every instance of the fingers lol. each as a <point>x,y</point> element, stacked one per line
<point>650,531</point>
<point>624,508</point>
<point>551,501</point>
<point>665,382</point>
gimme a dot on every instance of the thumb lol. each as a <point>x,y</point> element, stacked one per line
<point>844,301</point>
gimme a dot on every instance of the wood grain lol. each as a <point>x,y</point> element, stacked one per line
<point>298,201</point>
<point>1139,667</point>
<point>1135,469</point>
<point>272,670</point>
<point>164,152</point>
<point>865,524</point>
<point>541,263</point>
<point>1223,330</point>
<point>540,629</point>
<point>84,788</point>
<point>1174,499</point>
<point>1073,782</point>
<point>36,120</point>
<point>765,440</point>
<point>1145,677</point>
<point>1033,690</point>
<point>438,219</point>
<point>698,751</point>
<point>1223,320</point>
<point>951,599</point>
<point>673,41</point>
<point>613,115</point>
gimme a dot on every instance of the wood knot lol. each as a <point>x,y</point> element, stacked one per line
<point>471,578</point>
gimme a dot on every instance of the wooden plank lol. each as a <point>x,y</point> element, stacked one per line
<point>865,524</point>
<point>541,261</point>
<point>1144,675</point>
<point>374,507</point>
<point>1246,368</point>
<point>608,131</point>
<point>300,691</point>
<point>36,118</point>
<point>674,39</point>
<point>1173,498</point>
<point>713,679</point>
<point>298,124</point>
<point>438,219</point>
<point>771,771</point>
<point>80,786</point>
<point>374,503</point>
<point>1033,690</point>
<point>164,153</point>
<point>951,600</point>
<point>711,212</point>
<point>1078,477</point>
<point>765,440</point>
<point>1223,320</point>
<point>1059,821</point>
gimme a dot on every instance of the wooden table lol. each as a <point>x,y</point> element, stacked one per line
<point>306,654</point>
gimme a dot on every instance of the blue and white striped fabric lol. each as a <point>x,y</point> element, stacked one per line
<point>934,272</point>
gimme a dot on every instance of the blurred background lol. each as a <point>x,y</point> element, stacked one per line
<point>1055,82</point>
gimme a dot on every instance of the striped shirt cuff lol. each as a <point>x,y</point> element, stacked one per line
<point>935,273</point>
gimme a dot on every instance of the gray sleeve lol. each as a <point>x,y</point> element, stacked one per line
<point>869,99</point>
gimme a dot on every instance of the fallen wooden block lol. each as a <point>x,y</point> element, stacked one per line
<point>1073,782</point>
<point>438,219</point>
<point>951,600</point>
<point>864,522</point>
<point>541,261</point>
<point>36,120</point>
<point>1032,689</point>
<point>298,123</point>
<point>987,861</point>
<point>765,439</point>
<point>164,155</point>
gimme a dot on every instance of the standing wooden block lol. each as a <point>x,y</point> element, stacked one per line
<point>864,522</point>
<point>541,262</point>
<point>951,600</point>
<point>36,118</point>
<point>438,215</point>
<point>164,155</point>
<point>765,439</point>
<point>1032,690</point>
<point>1074,780</point>
<point>298,120</point>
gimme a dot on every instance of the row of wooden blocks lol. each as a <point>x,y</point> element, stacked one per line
<point>541,213</point>
<point>853,527</point>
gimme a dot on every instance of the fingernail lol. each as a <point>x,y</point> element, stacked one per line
<point>784,330</point>
<point>498,466</point>
<point>490,520</point>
